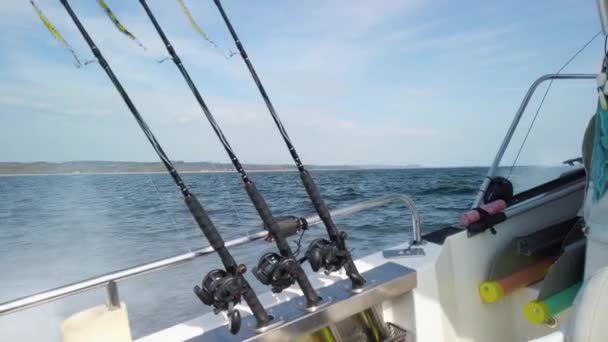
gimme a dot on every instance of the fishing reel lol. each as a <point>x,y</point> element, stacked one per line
<point>222,291</point>
<point>277,271</point>
<point>324,254</point>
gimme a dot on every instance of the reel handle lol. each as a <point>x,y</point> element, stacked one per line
<point>234,321</point>
<point>222,291</point>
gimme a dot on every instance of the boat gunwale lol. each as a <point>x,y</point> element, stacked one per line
<point>109,280</point>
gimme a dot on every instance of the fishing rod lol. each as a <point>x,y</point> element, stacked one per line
<point>280,271</point>
<point>321,253</point>
<point>221,289</point>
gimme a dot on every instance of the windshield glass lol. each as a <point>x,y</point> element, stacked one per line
<point>543,142</point>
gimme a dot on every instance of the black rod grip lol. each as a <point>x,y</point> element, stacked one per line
<point>204,222</point>
<point>260,205</point>
<point>262,317</point>
<point>267,219</point>
<point>319,204</point>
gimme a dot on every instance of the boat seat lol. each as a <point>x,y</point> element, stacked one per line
<point>587,323</point>
<point>596,215</point>
<point>557,336</point>
<point>587,147</point>
<point>591,304</point>
<point>590,309</point>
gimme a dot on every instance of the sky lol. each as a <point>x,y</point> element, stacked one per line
<point>355,82</point>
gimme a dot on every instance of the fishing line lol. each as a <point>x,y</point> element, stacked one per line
<point>59,38</point>
<point>231,196</point>
<point>542,101</point>
<point>171,214</point>
<point>299,243</point>
<point>120,27</point>
<point>118,24</point>
<point>228,53</point>
<point>163,60</point>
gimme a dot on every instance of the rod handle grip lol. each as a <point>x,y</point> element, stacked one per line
<point>204,222</point>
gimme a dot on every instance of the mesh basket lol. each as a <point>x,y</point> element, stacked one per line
<point>392,333</point>
<point>395,333</point>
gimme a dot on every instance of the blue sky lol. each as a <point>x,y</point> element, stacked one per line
<point>355,82</point>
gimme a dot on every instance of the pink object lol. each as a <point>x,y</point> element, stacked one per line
<point>473,216</point>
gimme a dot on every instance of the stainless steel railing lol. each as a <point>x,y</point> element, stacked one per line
<point>520,112</point>
<point>109,280</point>
<point>379,202</point>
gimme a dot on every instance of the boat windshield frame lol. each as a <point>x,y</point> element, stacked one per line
<point>493,171</point>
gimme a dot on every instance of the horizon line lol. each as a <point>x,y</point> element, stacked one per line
<point>369,165</point>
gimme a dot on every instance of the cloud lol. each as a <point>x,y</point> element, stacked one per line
<point>360,17</point>
<point>12,100</point>
<point>362,73</point>
<point>16,13</point>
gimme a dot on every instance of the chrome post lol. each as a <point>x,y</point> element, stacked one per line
<point>112,298</point>
<point>410,250</point>
<point>335,332</point>
<point>379,202</point>
<point>520,111</point>
<point>416,225</point>
<point>602,6</point>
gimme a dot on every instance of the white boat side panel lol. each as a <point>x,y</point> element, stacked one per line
<point>468,319</point>
<point>419,311</point>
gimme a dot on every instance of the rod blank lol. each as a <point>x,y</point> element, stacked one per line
<point>309,184</point>
<point>196,209</point>
<point>256,198</point>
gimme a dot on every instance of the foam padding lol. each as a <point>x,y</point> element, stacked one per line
<point>491,291</point>
<point>538,312</point>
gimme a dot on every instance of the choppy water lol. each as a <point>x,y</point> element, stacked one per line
<point>60,229</point>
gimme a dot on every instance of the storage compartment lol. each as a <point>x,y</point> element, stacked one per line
<point>367,325</point>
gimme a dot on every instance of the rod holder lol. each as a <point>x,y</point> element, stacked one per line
<point>112,297</point>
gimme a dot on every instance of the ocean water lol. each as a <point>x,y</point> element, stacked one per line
<point>60,229</point>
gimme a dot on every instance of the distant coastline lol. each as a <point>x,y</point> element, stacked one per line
<point>115,167</point>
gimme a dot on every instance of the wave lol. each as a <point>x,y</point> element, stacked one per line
<point>450,190</point>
